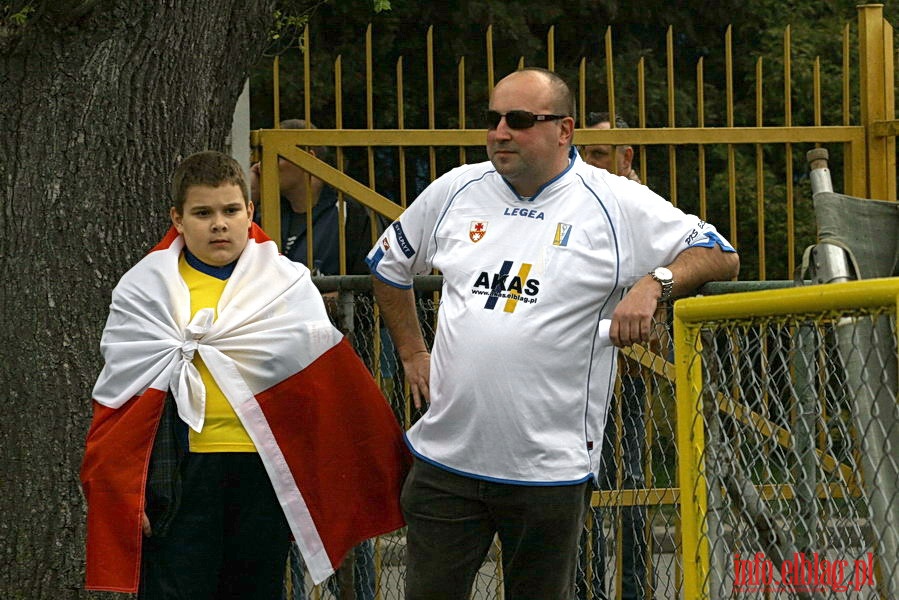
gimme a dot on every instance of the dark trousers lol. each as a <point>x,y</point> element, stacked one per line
<point>228,540</point>
<point>452,521</point>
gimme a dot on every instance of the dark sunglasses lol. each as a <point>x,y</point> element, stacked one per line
<point>517,119</point>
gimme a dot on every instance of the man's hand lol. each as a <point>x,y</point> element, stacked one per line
<point>417,367</point>
<point>632,320</point>
<point>398,309</point>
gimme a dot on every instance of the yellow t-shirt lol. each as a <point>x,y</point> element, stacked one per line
<point>222,430</point>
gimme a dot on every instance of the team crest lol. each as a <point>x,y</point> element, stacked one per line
<point>563,230</point>
<point>385,243</point>
<point>477,231</point>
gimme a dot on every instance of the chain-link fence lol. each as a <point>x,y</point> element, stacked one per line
<point>800,430</point>
<point>795,476</point>
<point>629,541</point>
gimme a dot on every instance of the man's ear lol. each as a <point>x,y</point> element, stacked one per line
<point>566,134</point>
<point>628,158</point>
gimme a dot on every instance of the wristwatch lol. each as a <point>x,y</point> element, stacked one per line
<point>666,279</point>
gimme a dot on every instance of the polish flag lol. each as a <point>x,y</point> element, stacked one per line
<point>329,442</point>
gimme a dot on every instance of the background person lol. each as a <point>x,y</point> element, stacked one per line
<point>536,249</point>
<point>600,155</point>
<point>294,185</point>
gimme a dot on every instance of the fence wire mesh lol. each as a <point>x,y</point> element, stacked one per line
<point>801,431</point>
<point>800,457</point>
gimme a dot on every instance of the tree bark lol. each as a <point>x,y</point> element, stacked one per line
<point>99,100</point>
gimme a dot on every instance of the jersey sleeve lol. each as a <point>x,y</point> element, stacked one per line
<point>658,231</point>
<point>404,249</point>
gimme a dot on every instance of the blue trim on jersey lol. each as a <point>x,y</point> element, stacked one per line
<point>434,463</point>
<point>514,191</point>
<point>383,279</point>
<point>223,272</point>
<point>712,241</point>
<point>572,154</point>
<point>610,389</point>
<point>374,260</point>
<point>373,267</point>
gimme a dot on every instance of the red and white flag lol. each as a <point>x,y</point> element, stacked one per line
<point>329,441</point>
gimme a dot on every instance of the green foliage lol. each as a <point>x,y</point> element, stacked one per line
<point>16,15</point>
<point>290,18</point>
<point>13,19</point>
<point>640,31</point>
<point>284,23</point>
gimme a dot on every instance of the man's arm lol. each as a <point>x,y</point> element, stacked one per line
<point>632,319</point>
<point>398,309</point>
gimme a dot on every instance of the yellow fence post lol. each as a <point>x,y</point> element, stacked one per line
<point>690,447</point>
<point>872,45</point>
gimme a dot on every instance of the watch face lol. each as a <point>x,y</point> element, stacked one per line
<point>663,273</point>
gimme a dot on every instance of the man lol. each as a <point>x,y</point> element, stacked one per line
<point>619,160</point>
<point>536,249</point>
<point>295,184</point>
<point>600,155</point>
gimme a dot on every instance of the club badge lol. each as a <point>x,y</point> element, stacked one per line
<point>477,231</point>
<point>563,230</point>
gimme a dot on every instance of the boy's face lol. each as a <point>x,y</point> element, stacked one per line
<point>215,223</point>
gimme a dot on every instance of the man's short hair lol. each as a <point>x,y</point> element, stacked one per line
<point>321,152</point>
<point>209,168</point>
<point>595,118</point>
<point>564,97</point>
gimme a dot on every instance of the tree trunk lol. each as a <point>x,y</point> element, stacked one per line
<point>99,100</point>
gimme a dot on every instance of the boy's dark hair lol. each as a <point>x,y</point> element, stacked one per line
<point>209,168</point>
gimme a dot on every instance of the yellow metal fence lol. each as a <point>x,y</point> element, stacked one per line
<point>723,173</point>
<point>742,177</point>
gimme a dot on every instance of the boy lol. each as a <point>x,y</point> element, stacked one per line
<point>229,414</point>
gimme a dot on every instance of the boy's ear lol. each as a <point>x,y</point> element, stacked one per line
<point>250,209</point>
<point>176,218</point>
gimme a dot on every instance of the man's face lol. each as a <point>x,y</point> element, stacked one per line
<point>600,155</point>
<point>215,223</point>
<point>530,157</point>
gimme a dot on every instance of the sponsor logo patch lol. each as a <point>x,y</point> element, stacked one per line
<point>503,285</point>
<point>401,239</point>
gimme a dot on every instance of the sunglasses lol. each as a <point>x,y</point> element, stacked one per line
<point>517,119</point>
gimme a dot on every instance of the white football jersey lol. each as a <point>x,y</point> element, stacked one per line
<point>520,382</point>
